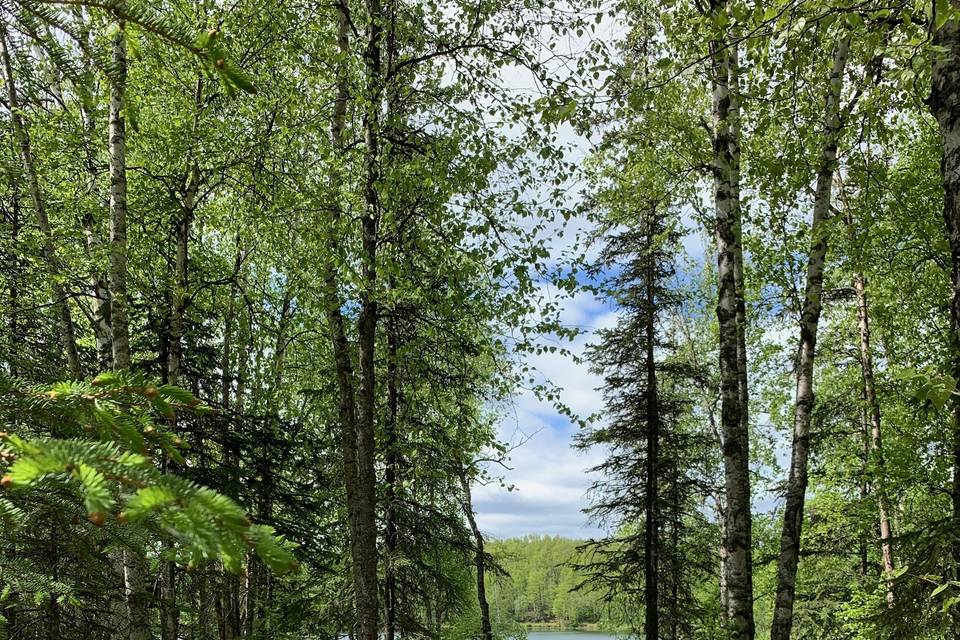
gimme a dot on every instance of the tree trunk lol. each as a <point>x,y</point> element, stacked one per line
<point>14,339</point>
<point>170,613</point>
<point>651,553</point>
<point>133,569</point>
<point>226,356</point>
<point>205,597</point>
<point>136,595</point>
<point>99,296</point>
<point>392,466</point>
<point>945,106</point>
<point>99,285</point>
<point>736,453</point>
<point>864,486</point>
<point>809,322</point>
<point>876,438</point>
<point>258,576</point>
<point>118,207</point>
<point>60,301</point>
<point>229,595</point>
<point>676,567</point>
<point>486,630</point>
<point>365,532</point>
<point>178,294</point>
<point>357,409</point>
<point>733,62</point>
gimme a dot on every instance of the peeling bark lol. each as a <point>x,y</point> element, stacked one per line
<point>736,453</point>
<point>118,207</point>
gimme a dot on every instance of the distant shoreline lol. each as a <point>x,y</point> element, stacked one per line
<point>560,626</point>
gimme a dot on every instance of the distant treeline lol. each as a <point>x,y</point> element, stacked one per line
<point>542,585</point>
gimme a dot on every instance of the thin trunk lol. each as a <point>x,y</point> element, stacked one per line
<point>205,605</point>
<point>169,612</point>
<point>99,296</point>
<point>133,565</point>
<point>365,531</point>
<point>809,322</point>
<point>864,485</point>
<point>178,293</point>
<point>486,630</point>
<point>228,607</point>
<point>226,355</point>
<point>945,105</point>
<point>99,285</point>
<point>230,588</point>
<point>392,467</point>
<point>736,454</point>
<point>258,577</point>
<point>60,301</point>
<point>676,570</point>
<point>14,338</point>
<point>334,317</point>
<point>876,438</point>
<point>53,606</point>
<point>250,601</point>
<point>136,595</point>
<point>182,235</point>
<point>651,553</point>
<point>118,207</point>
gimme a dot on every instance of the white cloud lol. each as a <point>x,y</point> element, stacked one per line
<point>551,478</point>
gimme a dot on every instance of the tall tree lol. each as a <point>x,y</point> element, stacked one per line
<point>60,300</point>
<point>945,106</point>
<point>875,449</point>
<point>809,323</point>
<point>735,437</point>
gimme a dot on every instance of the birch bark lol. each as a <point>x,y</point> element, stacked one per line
<point>736,448</point>
<point>809,322</point>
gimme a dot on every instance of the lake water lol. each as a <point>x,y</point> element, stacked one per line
<point>570,635</point>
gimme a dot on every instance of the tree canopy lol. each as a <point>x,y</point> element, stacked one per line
<point>275,274</point>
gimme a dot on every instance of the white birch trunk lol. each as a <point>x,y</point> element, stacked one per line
<point>809,322</point>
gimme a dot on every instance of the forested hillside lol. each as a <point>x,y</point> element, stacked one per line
<point>283,281</point>
<point>542,585</point>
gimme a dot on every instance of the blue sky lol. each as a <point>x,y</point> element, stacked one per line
<point>550,477</point>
